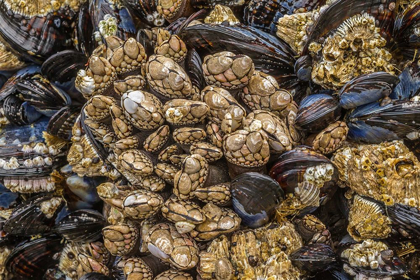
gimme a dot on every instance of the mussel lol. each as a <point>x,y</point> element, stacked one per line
<point>254,198</point>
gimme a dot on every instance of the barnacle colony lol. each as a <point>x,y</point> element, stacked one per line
<point>355,48</point>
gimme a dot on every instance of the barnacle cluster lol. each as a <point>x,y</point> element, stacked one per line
<point>355,48</point>
<point>387,172</point>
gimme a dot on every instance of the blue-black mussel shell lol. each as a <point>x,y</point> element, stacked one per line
<point>314,258</point>
<point>373,123</point>
<point>81,226</point>
<point>366,89</point>
<point>254,198</point>
<point>28,219</point>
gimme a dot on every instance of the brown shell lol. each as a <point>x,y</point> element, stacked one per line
<point>127,57</point>
<point>248,149</point>
<point>166,172</point>
<point>155,141</point>
<point>173,48</point>
<point>215,134</point>
<point>141,204</point>
<point>218,221</point>
<point>264,93</point>
<point>171,247</point>
<point>167,78</point>
<point>152,183</point>
<point>275,128</point>
<point>208,151</point>
<point>143,109</point>
<point>135,161</point>
<point>193,174</point>
<point>331,138</point>
<point>185,112</point>
<point>217,194</point>
<point>130,83</point>
<point>166,153</point>
<point>97,107</point>
<point>174,275</point>
<point>181,212</point>
<point>122,127</point>
<point>221,102</point>
<point>228,70</point>
<point>189,135</point>
<point>120,239</point>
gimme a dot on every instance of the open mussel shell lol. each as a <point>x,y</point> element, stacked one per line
<point>34,216</point>
<point>31,259</point>
<point>81,226</point>
<point>317,111</point>
<point>373,123</point>
<point>255,197</point>
<point>366,89</point>
<point>290,168</point>
<point>314,258</point>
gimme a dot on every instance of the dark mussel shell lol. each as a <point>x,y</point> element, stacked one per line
<point>61,123</point>
<point>314,258</point>
<point>126,26</point>
<point>194,69</point>
<point>42,95</point>
<point>333,274</point>
<point>392,267</point>
<point>10,86</point>
<point>373,123</point>
<point>270,55</point>
<point>289,168</point>
<point>7,198</point>
<point>264,14</point>
<point>39,35</point>
<point>409,85</point>
<point>145,10</point>
<point>366,89</point>
<point>31,259</point>
<point>19,112</point>
<point>63,66</point>
<point>28,219</point>
<point>317,111</point>
<point>404,33</point>
<point>81,226</point>
<point>405,221</point>
<point>342,9</point>
<point>95,276</point>
<point>85,41</point>
<point>255,197</point>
